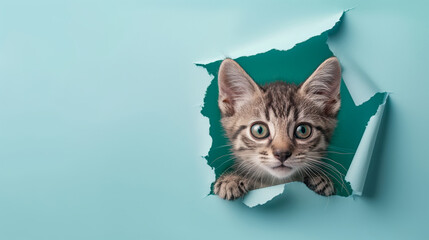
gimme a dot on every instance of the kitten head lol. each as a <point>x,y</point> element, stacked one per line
<point>279,129</point>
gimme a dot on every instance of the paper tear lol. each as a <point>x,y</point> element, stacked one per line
<point>263,195</point>
<point>361,95</point>
<point>283,39</point>
<point>360,87</point>
<point>358,169</point>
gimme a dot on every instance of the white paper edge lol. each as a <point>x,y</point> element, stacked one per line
<point>281,40</point>
<point>356,175</point>
<point>263,195</point>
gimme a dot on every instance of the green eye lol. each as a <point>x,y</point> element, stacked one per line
<point>303,131</point>
<point>260,130</point>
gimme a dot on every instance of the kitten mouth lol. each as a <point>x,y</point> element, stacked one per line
<point>281,171</point>
<point>282,167</point>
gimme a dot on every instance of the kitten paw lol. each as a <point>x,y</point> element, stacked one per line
<point>320,185</point>
<point>231,187</point>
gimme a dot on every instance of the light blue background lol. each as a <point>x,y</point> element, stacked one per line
<point>100,134</point>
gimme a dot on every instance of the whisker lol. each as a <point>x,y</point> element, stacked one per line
<point>326,164</point>
<point>221,146</point>
<point>321,171</point>
<point>340,148</point>
<point>225,155</point>
<point>325,158</point>
<point>229,160</point>
<point>334,177</point>
<point>334,152</point>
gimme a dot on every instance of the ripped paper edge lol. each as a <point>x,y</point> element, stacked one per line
<point>357,172</point>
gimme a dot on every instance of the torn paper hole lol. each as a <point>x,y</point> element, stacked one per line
<point>358,120</point>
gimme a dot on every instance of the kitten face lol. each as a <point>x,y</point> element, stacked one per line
<point>279,129</point>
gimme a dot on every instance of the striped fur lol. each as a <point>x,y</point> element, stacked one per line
<point>282,107</point>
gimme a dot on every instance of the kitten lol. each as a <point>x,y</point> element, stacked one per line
<point>278,132</point>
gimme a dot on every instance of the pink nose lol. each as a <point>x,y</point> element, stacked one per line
<point>282,155</point>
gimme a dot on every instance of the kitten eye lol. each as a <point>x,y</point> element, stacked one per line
<point>260,130</point>
<point>303,131</point>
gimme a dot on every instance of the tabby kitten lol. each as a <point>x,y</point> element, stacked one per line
<point>278,132</point>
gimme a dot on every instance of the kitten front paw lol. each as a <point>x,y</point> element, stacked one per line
<point>230,187</point>
<point>320,185</point>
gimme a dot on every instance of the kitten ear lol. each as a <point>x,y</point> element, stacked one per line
<point>323,86</point>
<point>236,87</point>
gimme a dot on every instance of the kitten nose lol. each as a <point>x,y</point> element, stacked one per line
<point>282,155</point>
